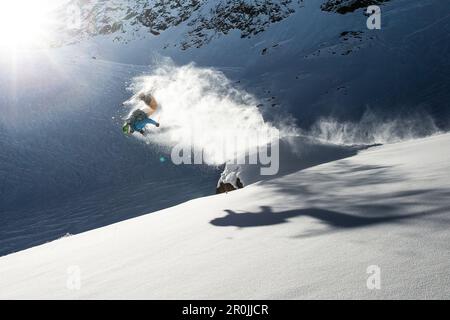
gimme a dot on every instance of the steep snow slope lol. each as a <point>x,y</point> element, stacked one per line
<point>310,234</point>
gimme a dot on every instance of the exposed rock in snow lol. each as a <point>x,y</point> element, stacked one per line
<point>205,19</point>
<point>229,179</point>
<point>227,187</point>
<point>346,6</point>
<point>249,17</point>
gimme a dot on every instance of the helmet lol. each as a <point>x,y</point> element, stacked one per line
<point>126,128</point>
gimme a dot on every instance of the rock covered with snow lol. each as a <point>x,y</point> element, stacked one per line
<point>229,179</point>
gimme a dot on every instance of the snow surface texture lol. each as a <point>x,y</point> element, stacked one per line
<point>310,234</point>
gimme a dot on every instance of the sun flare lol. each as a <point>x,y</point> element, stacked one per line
<point>25,23</point>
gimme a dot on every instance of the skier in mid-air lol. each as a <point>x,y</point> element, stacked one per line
<point>141,117</point>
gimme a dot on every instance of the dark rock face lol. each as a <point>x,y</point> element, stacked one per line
<point>224,188</point>
<point>346,6</point>
<point>205,21</point>
<point>227,187</point>
<point>164,14</point>
<point>249,17</point>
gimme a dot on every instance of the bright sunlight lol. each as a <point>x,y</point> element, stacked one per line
<point>25,23</point>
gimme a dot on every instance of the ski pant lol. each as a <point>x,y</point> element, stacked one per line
<point>140,125</point>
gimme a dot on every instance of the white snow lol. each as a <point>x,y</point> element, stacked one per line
<point>310,234</point>
<point>202,113</point>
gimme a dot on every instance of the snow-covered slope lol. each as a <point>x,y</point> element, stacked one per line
<point>309,234</point>
<point>314,60</point>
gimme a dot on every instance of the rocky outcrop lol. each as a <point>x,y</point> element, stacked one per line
<point>164,14</point>
<point>227,187</point>
<point>249,17</point>
<point>346,6</point>
<point>205,19</point>
<point>229,179</point>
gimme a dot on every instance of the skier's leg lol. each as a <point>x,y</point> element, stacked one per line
<point>140,125</point>
<point>151,121</point>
